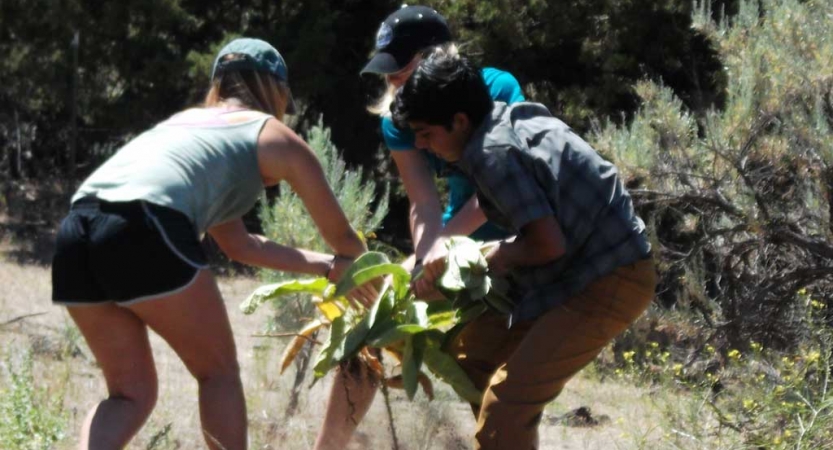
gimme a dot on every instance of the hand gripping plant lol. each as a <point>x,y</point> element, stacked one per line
<point>398,323</point>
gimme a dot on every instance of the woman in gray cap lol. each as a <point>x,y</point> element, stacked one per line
<point>128,253</point>
<point>404,38</point>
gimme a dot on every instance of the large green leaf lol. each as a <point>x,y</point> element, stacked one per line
<point>381,311</point>
<point>395,334</point>
<point>497,297</point>
<point>418,313</point>
<point>466,268</point>
<point>446,369</point>
<point>365,261</point>
<point>452,279</point>
<point>411,363</point>
<point>401,277</point>
<point>325,361</point>
<point>441,320</point>
<point>315,286</point>
<point>354,339</point>
<point>470,312</point>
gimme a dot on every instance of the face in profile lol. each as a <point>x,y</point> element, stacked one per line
<point>447,143</point>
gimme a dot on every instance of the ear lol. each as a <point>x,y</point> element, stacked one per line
<point>461,122</point>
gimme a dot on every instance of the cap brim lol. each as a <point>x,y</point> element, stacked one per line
<point>381,63</point>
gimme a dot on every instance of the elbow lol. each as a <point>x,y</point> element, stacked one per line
<point>235,254</point>
<point>548,250</point>
<point>551,254</point>
<point>241,253</point>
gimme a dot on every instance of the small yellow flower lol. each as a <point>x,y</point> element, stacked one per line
<point>734,354</point>
<point>678,369</point>
<point>755,346</point>
<point>788,433</point>
<point>654,345</point>
<point>802,291</point>
<point>709,349</point>
<point>749,404</point>
<point>813,357</point>
<point>817,304</point>
<point>628,356</point>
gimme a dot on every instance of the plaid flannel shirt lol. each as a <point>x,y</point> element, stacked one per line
<point>527,165</point>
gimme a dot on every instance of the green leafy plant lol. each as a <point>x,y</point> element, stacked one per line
<point>404,326</point>
<point>31,417</point>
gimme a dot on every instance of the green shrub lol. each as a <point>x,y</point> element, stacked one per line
<point>739,199</point>
<point>31,418</point>
<point>757,398</point>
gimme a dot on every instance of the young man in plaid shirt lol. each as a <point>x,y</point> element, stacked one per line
<point>579,263</point>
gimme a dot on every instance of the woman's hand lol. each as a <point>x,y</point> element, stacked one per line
<point>362,296</point>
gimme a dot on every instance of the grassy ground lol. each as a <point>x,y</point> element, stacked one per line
<point>65,383</point>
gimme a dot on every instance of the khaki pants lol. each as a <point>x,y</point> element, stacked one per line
<point>522,369</point>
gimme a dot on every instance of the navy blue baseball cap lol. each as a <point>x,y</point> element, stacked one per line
<point>403,34</point>
<point>255,54</point>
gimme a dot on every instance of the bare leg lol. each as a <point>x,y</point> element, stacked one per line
<point>195,324</point>
<point>119,342</point>
<point>350,397</point>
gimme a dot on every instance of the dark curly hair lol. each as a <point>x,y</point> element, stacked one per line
<point>440,87</point>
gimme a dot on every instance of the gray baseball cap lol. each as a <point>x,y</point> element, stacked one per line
<point>257,55</point>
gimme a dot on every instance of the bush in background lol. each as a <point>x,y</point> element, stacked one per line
<point>739,199</point>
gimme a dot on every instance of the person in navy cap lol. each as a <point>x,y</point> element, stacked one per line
<point>405,38</point>
<point>128,255</point>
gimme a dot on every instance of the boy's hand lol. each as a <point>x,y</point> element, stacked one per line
<point>497,264</point>
<point>432,295</point>
<point>433,267</point>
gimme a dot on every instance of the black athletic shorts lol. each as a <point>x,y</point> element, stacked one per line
<point>124,252</point>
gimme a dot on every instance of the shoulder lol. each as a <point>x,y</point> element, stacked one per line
<point>396,139</point>
<point>503,86</point>
<point>276,139</point>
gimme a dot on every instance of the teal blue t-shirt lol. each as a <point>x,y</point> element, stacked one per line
<point>503,87</point>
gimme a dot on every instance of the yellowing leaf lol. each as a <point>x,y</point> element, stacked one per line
<point>298,342</point>
<point>329,309</point>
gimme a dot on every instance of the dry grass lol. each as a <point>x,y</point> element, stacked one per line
<point>63,365</point>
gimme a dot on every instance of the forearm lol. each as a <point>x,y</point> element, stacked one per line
<point>520,252</point>
<point>426,226</point>
<point>348,244</point>
<point>466,221</point>
<point>262,252</point>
